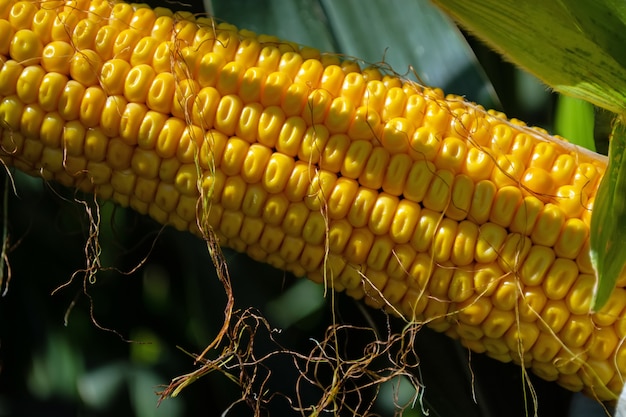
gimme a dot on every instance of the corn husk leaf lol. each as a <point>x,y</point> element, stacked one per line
<point>608,221</point>
<point>546,39</point>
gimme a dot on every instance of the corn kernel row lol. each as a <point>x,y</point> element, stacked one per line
<point>424,205</point>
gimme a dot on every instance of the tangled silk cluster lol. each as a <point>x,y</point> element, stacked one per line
<point>422,204</point>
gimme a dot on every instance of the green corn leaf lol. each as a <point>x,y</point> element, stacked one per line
<point>602,22</point>
<point>608,221</point>
<point>574,120</point>
<point>544,38</point>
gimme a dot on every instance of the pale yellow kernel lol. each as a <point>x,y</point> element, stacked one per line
<point>539,261</point>
<point>572,201</point>
<point>204,108</point>
<point>9,33</point>
<point>508,171</point>
<point>355,158</point>
<point>10,72</point>
<point>28,83</point>
<point>491,238</point>
<point>366,124</point>
<point>576,331</point>
<point>229,78</point>
<point>526,215</point>
<point>295,99</point>
<point>21,14</point>
<point>461,197</point>
<point>105,41</point>
<point>313,144</point>
<point>332,79</point>
<point>315,227</point>
<point>309,73</point>
<point>462,252</point>
<point>51,130</point>
<point>339,116</point>
<point>514,251</point>
<point>563,169</point>
<point>602,343</point>
<point>138,83</point>
<point>502,136</point>
<point>612,310</point>
<point>271,239</point>
<point>186,180</point>
<point>383,212</point>
<point>359,245</point>
<point>31,120</point>
<point>418,180</point>
<point>443,240</point>
<point>479,164</point>
<point>25,47</point>
<point>317,107</point>
<point>123,181</point>
<point>252,84</point>
<point>234,156</point>
<point>270,124</point>
<point>425,230</point>
<point>92,106</point>
<point>184,98</point>
<point>581,293</point>
<point>339,233</point>
<point>277,173</point>
<point>130,122</point>
<point>11,109</point>
<point>544,154</point>
<point>404,221</point>
<point>227,114</point>
<point>497,323</point>
<point>119,154</point>
<point>335,153</point>
<point>505,205</point>
<point>160,92</point>
<point>233,193</point>
<point>374,95</point>
<point>291,135</point>
<point>70,100</point>
<point>548,226</point>
<point>560,278</point>
<point>169,137</point>
<point>374,173</point>
<point>424,144</point>
<point>275,86</point>
<point>320,187</point>
<point>452,154</point>
<point>537,181</point>
<point>522,337</point>
<point>400,262</point>
<point>437,116</point>
<point>531,302</point>
<point>95,145</point>
<point>395,103</point>
<point>341,199</point>
<point>294,219</point>
<point>74,138</point>
<point>299,181</point>
<point>253,200</point>
<point>439,192</point>
<point>125,43</point>
<point>364,201</point>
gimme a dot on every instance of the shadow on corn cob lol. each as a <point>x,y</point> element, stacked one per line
<point>425,205</point>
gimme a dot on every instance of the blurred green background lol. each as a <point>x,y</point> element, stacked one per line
<point>108,352</point>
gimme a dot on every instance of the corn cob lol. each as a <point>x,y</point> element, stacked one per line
<point>419,203</point>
